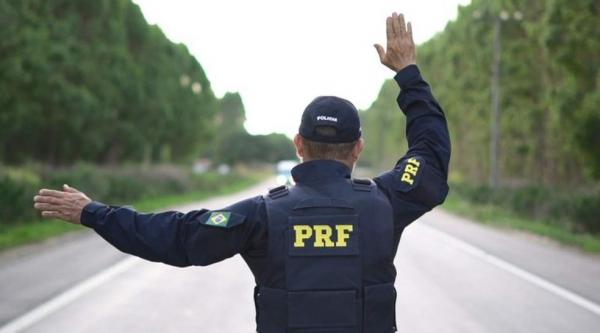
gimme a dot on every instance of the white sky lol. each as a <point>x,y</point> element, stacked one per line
<point>279,55</point>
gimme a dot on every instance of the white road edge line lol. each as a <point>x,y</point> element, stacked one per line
<point>36,314</point>
<point>519,272</point>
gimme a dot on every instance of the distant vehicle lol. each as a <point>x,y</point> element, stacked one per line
<point>284,172</point>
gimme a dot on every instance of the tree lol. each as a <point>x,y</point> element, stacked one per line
<point>550,123</point>
<point>91,80</point>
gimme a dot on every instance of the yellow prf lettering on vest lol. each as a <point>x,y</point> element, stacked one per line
<point>343,233</point>
<point>410,170</point>
<point>303,232</point>
<point>322,235</point>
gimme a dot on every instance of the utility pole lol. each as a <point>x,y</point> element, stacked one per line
<point>495,116</point>
<point>495,87</point>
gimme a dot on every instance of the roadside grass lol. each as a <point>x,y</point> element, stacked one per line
<point>38,230</point>
<point>33,231</point>
<point>495,216</point>
<point>166,201</point>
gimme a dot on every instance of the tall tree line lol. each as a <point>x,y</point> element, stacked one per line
<point>233,144</point>
<point>91,80</point>
<point>550,120</point>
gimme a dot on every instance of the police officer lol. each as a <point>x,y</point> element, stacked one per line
<point>321,251</point>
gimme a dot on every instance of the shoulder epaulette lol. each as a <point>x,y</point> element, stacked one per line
<point>361,184</point>
<point>278,192</point>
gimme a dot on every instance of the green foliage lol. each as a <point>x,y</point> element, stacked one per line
<point>232,114</point>
<point>576,211</point>
<point>383,129</point>
<point>550,120</point>
<point>91,80</point>
<point>114,185</point>
<point>243,147</point>
<point>14,235</point>
<point>16,195</point>
<point>35,229</point>
<point>233,144</point>
<point>505,218</point>
<point>550,126</point>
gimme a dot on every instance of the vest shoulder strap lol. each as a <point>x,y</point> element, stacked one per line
<point>363,185</point>
<point>278,192</point>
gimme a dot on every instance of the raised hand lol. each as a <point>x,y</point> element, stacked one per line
<point>66,205</point>
<point>400,51</point>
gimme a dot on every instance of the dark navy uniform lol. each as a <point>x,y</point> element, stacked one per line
<point>322,251</point>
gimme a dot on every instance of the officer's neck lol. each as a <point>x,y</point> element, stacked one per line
<point>347,163</point>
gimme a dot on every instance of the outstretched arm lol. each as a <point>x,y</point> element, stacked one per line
<point>199,237</point>
<point>418,181</point>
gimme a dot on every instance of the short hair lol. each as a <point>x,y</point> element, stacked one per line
<point>327,151</point>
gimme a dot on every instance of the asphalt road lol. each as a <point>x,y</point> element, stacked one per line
<point>453,276</point>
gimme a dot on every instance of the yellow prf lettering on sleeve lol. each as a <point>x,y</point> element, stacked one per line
<point>414,161</point>
<point>410,170</point>
<point>406,178</point>
<point>302,233</point>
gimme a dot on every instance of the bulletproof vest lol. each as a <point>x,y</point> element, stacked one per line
<point>329,261</point>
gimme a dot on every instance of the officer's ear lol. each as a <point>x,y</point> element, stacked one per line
<point>358,148</point>
<point>299,146</point>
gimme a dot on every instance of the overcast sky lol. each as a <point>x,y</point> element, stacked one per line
<point>279,55</point>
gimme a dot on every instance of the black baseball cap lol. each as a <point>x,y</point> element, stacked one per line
<point>333,112</point>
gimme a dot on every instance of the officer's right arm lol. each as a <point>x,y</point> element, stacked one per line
<point>418,182</point>
<point>200,237</point>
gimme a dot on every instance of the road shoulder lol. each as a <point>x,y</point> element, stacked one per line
<point>562,265</point>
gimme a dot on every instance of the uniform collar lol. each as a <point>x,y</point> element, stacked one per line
<point>319,171</point>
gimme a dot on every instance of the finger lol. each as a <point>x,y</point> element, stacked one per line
<point>409,32</point>
<point>70,189</point>
<point>51,214</point>
<point>45,206</point>
<point>380,51</point>
<point>47,199</point>
<point>396,26</point>
<point>401,25</point>
<point>52,193</point>
<point>389,30</point>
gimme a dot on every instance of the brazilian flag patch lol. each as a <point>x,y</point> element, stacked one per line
<point>218,219</point>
